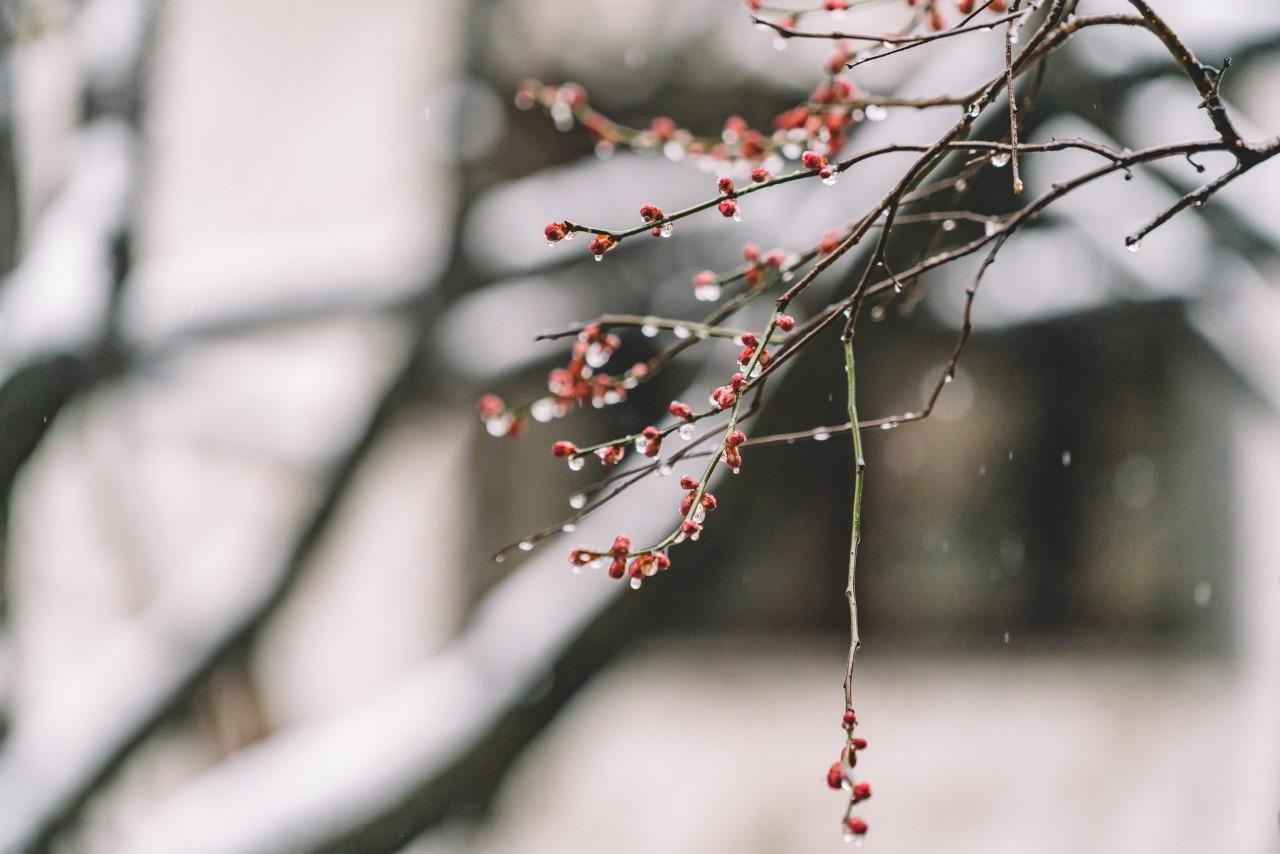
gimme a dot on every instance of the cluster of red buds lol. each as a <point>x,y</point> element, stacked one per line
<point>643,564</point>
<point>577,382</point>
<point>497,420</point>
<point>733,450</point>
<point>750,344</point>
<point>840,776</point>
<point>726,396</point>
<point>729,204</point>
<point>706,503</point>
<point>761,264</point>
<point>653,213</point>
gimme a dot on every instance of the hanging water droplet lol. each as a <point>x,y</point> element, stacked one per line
<point>831,179</point>
<point>497,426</point>
<point>737,213</point>
<point>681,331</point>
<point>649,330</point>
<point>1013,36</point>
<point>687,431</point>
<point>543,409</point>
<point>664,470</point>
<point>1066,458</point>
<point>888,425</point>
<point>821,436</point>
<point>875,113</point>
<point>596,564</point>
<point>576,569</point>
<point>577,501</point>
<point>974,109</point>
<point>1000,159</point>
<point>897,286</point>
<point>1133,245</point>
<point>641,441</point>
<point>949,377</point>
<point>597,356</point>
<point>525,546</point>
<point>991,227</point>
<point>707,292</point>
<point>598,257</point>
<point>499,558</point>
<point>667,229</point>
<point>779,43</point>
<point>636,582</point>
<point>948,225</point>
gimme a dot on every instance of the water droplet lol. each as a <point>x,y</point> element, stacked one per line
<point>875,113</point>
<point>681,331</point>
<point>1066,458</point>
<point>597,356</point>
<point>648,330</point>
<point>667,229</point>
<point>1202,594</point>
<point>991,227</point>
<point>664,470</point>
<point>497,426</point>
<point>1000,159</point>
<point>974,109</point>
<point>707,292</point>
<point>636,582</point>
<point>562,116</point>
<point>779,43</point>
<point>1013,36</point>
<point>821,436</point>
<point>949,377</point>
<point>687,431</point>
<point>576,463</point>
<point>604,149</point>
<point>577,501</point>
<point>576,569</point>
<point>831,179</point>
<point>543,409</point>
<point>641,441</point>
<point>961,185</point>
<point>598,257</point>
<point>737,213</point>
<point>525,546</point>
<point>499,558</point>
<point>568,528</point>
<point>673,151</point>
<point>948,225</point>
<point>888,425</point>
<point>1133,245</point>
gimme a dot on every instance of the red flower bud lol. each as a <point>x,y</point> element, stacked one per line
<point>859,744</point>
<point>708,501</point>
<point>835,776</point>
<point>581,556</point>
<point>611,455</point>
<point>728,208</point>
<point>621,545</point>
<point>680,410</point>
<point>786,322</point>
<point>856,826</point>
<point>861,792</point>
<point>850,719</point>
<point>662,562</point>
<point>687,482</point>
<point>564,449</point>
<point>725,185</point>
<point>735,438</point>
<point>737,382</point>
<point>490,406</point>
<point>751,252</point>
<point>555,232</point>
<point>760,175</point>
<point>813,160</point>
<point>601,244</point>
<point>649,213</point>
<point>836,5</point>
<point>689,527</point>
<point>618,568</point>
